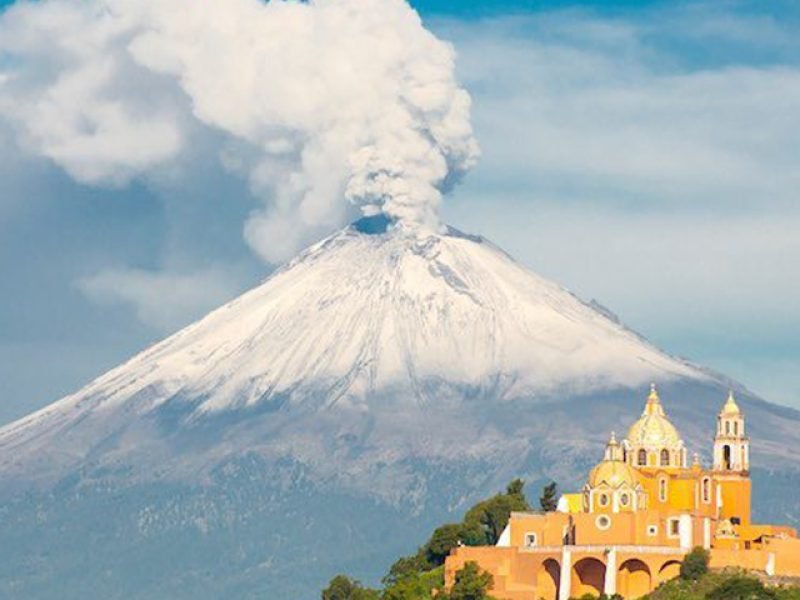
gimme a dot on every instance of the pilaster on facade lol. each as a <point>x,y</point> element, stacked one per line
<point>565,580</point>
<point>610,582</point>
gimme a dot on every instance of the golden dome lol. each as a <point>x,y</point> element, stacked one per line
<point>730,409</point>
<point>653,429</point>
<point>613,473</point>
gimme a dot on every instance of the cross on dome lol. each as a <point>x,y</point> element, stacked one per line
<point>653,405</point>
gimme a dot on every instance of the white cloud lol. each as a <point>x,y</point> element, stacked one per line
<point>329,104</point>
<point>164,300</point>
<point>669,192</point>
<point>590,108</point>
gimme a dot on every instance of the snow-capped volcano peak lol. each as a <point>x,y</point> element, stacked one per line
<point>383,374</point>
<point>374,315</point>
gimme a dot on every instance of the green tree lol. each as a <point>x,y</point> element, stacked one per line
<point>485,521</point>
<point>342,587</point>
<point>548,500</point>
<point>695,564</point>
<point>406,566</point>
<point>415,586</point>
<point>516,488</point>
<point>471,583</point>
<point>739,587</point>
<point>444,539</point>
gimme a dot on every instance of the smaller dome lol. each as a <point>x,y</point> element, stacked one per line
<point>613,473</point>
<point>730,409</point>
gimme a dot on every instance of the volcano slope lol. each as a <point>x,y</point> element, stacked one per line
<point>376,385</point>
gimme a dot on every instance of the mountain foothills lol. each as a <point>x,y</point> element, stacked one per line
<point>323,422</point>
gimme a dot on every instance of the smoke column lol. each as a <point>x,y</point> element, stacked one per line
<point>322,105</point>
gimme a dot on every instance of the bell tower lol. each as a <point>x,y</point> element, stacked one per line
<point>732,465</point>
<point>731,445</point>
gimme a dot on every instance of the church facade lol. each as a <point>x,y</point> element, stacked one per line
<point>644,506</point>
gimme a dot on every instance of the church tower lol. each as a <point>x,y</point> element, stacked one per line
<point>731,445</point>
<point>732,464</point>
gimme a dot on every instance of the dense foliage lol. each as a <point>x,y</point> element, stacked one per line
<point>695,564</point>
<point>342,587</point>
<point>485,521</point>
<point>471,584</point>
<point>728,585</point>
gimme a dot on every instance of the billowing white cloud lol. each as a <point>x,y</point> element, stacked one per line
<point>322,105</point>
<point>76,96</point>
<point>163,300</point>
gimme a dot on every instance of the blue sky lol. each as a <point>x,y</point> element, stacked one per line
<point>640,153</point>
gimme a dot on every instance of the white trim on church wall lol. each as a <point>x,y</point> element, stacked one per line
<point>504,541</point>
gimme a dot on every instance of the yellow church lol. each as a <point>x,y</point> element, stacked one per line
<point>644,506</point>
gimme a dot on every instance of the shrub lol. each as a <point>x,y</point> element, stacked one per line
<point>471,583</point>
<point>342,587</point>
<point>405,567</point>
<point>695,564</point>
<point>740,587</point>
<point>415,586</point>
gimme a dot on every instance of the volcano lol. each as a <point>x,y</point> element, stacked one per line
<point>323,421</point>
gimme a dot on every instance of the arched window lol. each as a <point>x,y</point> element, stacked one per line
<point>706,490</point>
<point>727,427</point>
<point>662,490</point>
<point>665,458</point>
<point>736,428</point>
<point>726,457</point>
<point>642,458</point>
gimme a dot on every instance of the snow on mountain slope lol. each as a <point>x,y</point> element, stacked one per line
<point>372,388</point>
<point>359,314</point>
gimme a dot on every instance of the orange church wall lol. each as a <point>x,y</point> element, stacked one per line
<point>515,573</point>
<point>682,494</point>
<point>751,533</point>
<point>549,528</point>
<point>736,499</point>
<point>755,560</point>
<point>587,532</point>
<point>624,528</point>
<point>787,556</point>
<point>684,490</point>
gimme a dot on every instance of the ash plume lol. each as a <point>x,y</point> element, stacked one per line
<point>323,106</point>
